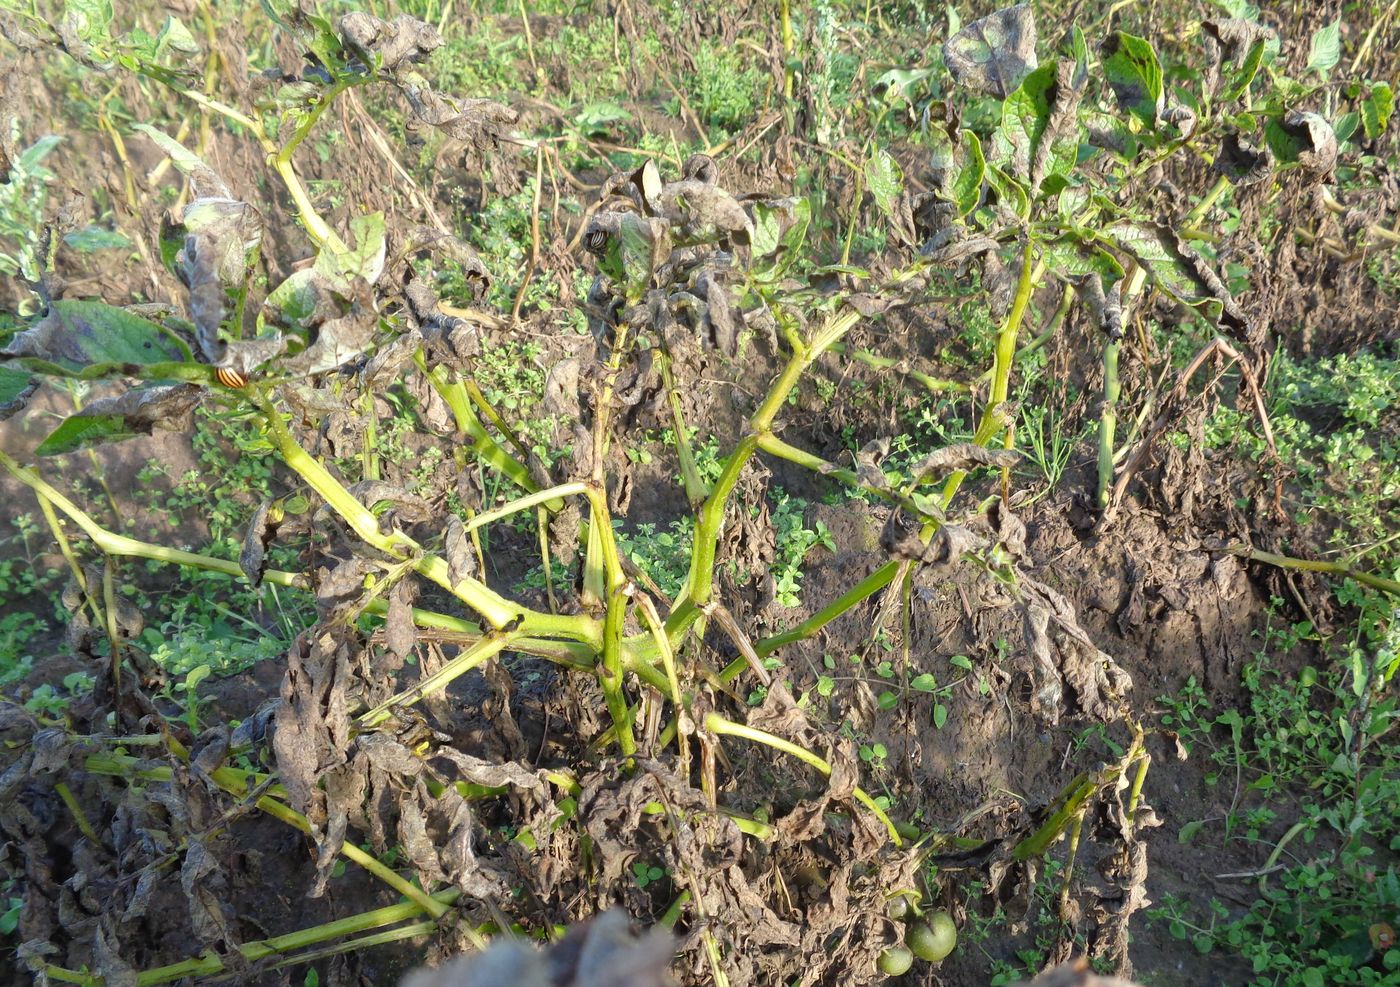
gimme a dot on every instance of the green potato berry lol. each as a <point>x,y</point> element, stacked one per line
<point>898,908</point>
<point>895,961</point>
<point>934,939</point>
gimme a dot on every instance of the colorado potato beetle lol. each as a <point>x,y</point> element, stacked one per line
<point>230,377</point>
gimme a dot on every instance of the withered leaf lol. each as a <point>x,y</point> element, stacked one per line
<point>993,55</point>
<point>388,45</point>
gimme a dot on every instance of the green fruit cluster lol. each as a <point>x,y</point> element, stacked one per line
<point>928,937</point>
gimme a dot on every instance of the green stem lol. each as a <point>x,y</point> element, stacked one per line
<point>495,609</point>
<point>553,494</point>
<point>1201,208</point>
<point>483,444</point>
<point>485,649</point>
<point>610,669</point>
<point>210,964</point>
<point>862,590</point>
<point>318,228</point>
<point>1076,794</point>
<point>114,544</point>
<point>711,516</point>
<point>1390,586</point>
<point>1108,420</point>
<point>719,725</point>
<point>990,425</point>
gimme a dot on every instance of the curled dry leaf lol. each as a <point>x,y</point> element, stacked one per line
<point>1316,143</point>
<point>1243,162</point>
<point>387,46</point>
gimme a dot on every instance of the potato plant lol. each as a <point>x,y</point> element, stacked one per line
<point>1043,159</point>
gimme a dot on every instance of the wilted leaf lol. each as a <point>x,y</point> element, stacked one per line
<point>1177,271</point>
<point>1074,257</point>
<point>79,333</point>
<point>1039,133</point>
<point>1135,76</point>
<point>137,412</point>
<point>884,178</point>
<point>1303,139</point>
<point>1242,162</point>
<point>994,54</point>
<point>388,46</point>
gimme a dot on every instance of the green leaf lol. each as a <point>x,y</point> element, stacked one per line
<point>80,431</point>
<point>15,386</point>
<point>767,228</point>
<point>1326,49</point>
<point>1073,257</point>
<point>961,661</point>
<point>29,159</point>
<point>295,298</point>
<point>195,676</point>
<point>90,19</point>
<point>93,238</point>
<point>966,188</point>
<point>1247,70</point>
<point>1135,76</point>
<point>364,260</point>
<point>1346,125</point>
<point>1187,833</point>
<point>594,118</point>
<point>1376,109</point>
<point>174,36</point>
<point>637,253</point>
<point>924,683</point>
<point>884,178</point>
<point>940,716</point>
<point>1009,191</point>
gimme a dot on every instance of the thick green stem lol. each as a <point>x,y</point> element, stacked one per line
<point>710,521</point>
<point>861,591</point>
<point>992,416</point>
<point>318,228</point>
<point>610,669</point>
<point>458,398</point>
<point>497,611</point>
<point>115,544</point>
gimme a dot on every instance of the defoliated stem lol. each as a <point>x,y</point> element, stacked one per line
<point>719,725</point>
<point>1108,420</point>
<point>1108,415</point>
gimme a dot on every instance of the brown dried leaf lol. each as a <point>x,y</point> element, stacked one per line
<point>388,46</point>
